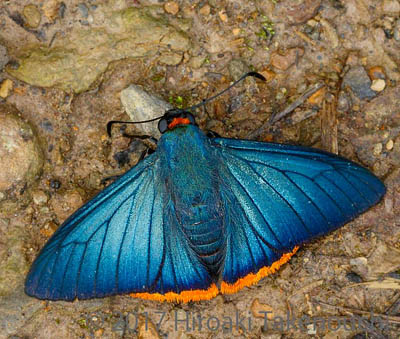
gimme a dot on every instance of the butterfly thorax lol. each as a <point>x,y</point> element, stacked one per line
<point>194,188</point>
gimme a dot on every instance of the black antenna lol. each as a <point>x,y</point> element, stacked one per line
<point>112,122</point>
<point>251,74</point>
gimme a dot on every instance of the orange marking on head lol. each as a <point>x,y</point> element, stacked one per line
<point>178,121</point>
<point>184,296</point>
<point>252,278</point>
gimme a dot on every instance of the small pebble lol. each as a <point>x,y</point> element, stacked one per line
<point>354,277</point>
<point>61,10</point>
<point>170,59</point>
<point>317,97</point>
<point>343,104</point>
<point>376,72</point>
<point>388,204</point>
<point>359,261</point>
<point>311,329</point>
<point>330,33</point>
<point>48,229</point>
<point>5,88</point>
<point>99,333</point>
<point>51,9</point>
<point>83,9</point>
<point>141,105</point>
<point>378,149</point>
<point>359,82</point>
<point>396,30</point>
<point>298,12</point>
<point>279,96</point>
<point>268,74</point>
<point>196,61</point>
<point>389,145</point>
<point>286,60</point>
<point>236,31</point>
<point>312,22</point>
<point>205,10</point>
<point>3,57</point>
<point>32,16</point>
<point>259,310</point>
<point>39,197</point>
<point>378,85</point>
<point>222,15</point>
<point>20,152</point>
<point>391,7</point>
<point>171,7</point>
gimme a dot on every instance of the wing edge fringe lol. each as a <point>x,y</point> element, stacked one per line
<point>253,278</point>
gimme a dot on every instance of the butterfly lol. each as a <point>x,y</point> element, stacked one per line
<point>198,217</point>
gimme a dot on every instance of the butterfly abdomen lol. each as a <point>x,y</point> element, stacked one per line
<point>207,238</point>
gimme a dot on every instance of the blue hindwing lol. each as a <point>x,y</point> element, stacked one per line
<point>126,239</point>
<point>279,196</point>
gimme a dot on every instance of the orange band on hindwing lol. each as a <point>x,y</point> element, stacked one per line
<point>226,288</point>
<point>253,278</point>
<point>184,296</point>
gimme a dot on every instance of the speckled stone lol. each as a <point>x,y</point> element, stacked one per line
<point>32,16</point>
<point>20,152</point>
<point>359,82</point>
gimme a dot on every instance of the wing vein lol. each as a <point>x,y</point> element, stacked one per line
<point>250,224</point>
<point>297,186</point>
<point>66,268</point>
<point>281,196</point>
<point>149,241</point>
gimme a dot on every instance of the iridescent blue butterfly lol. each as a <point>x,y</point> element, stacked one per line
<point>200,216</point>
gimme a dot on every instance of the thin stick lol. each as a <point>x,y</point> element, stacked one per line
<point>390,318</point>
<point>329,125</point>
<point>274,118</point>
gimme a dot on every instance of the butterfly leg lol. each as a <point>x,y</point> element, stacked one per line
<point>147,151</point>
<point>212,134</point>
<point>140,137</point>
<point>110,178</point>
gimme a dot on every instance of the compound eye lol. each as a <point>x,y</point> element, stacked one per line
<point>163,125</point>
<point>191,118</point>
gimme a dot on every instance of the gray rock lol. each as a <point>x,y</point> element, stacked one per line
<point>83,9</point>
<point>237,68</point>
<point>141,105</point>
<point>15,310</point>
<point>391,7</point>
<point>396,31</point>
<point>20,153</point>
<point>3,57</point>
<point>359,82</point>
<point>32,16</point>
<point>76,60</point>
<point>297,12</point>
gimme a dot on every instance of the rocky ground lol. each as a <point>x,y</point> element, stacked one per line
<point>333,82</point>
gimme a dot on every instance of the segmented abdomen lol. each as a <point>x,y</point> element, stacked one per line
<point>204,229</point>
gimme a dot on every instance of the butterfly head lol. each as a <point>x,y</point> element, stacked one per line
<point>180,117</point>
<point>175,117</point>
